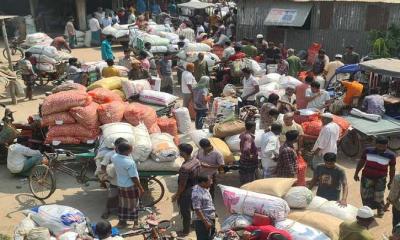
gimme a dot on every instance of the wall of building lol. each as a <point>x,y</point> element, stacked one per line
<point>334,24</point>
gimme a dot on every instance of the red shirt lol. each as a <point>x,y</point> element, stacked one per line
<point>237,56</point>
<point>376,163</point>
<point>267,230</point>
<point>301,102</point>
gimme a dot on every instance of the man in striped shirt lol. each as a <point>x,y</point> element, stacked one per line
<point>375,163</point>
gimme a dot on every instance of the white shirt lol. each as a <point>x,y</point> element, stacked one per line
<point>331,67</point>
<point>229,51</point>
<point>99,15</point>
<point>17,155</point>
<point>187,79</point>
<point>269,145</point>
<point>94,25</point>
<point>327,139</point>
<point>318,102</point>
<point>249,85</point>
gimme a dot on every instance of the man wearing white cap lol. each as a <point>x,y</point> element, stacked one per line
<point>327,139</point>
<point>261,44</point>
<point>358,230</point>
<point>330,68</point>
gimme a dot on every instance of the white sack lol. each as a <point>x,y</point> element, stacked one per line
<point>44,59</point>
<point>158,98</point>
<point>300,231</point>
<point>197,47</point>
<point>298,197</point>
<point>155,84</point>
<point>159,49</point>
<point>151,165</point>
<point>163,147</point>
<point>286,81</point>
<point>49,51</point>
<point>348,213</point>
<point>80,34</point>
<point>45,67</point>
<point>109,30</point>
<point>183,120</point>
<point>88,38</point>
<point>24,227</point>
<point>233,142</point>
<point>132,88</point>
<point>142,148</point>
<point>113,131</point>
<point>236,221</point>
<point>269,78</point>
<point>197,135</point>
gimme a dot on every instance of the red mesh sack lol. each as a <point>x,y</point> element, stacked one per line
<point>168,125</point>
<point>111,112</point>
<point>87,116</point>
<point>301,171</point>
<point>342,122</point>
<point>312,128</point>
<point>136,113</point>
<point>50,120</point>
<point>63,101</point>
<point>154,129</point>
<point>72,130</point>
<point>62,140</point>
<point>102,95</point>
<point>301,118</point>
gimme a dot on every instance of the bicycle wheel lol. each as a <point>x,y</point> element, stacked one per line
<point>16,54</point>
<point>153,191</point>
<point>350,144</point>
<point>41,81</point>
<point>42,182</point>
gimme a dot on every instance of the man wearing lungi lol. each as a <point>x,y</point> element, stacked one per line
<point>375,163</point>
<point>129,187</point>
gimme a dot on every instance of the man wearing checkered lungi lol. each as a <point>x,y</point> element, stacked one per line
<point>375,163</point>
<point>129,187</point>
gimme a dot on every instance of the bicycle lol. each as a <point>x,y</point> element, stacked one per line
<point>42,181</point>
<point>152,229</point>
<point>15,50</point>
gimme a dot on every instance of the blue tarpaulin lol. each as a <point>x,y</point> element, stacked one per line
<point>350,68</point>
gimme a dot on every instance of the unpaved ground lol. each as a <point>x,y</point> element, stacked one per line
<point>15,196</point>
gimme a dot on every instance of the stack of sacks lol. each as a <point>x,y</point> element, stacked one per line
<point>80,39</point>
<point>191,57</point>
<point>40,39</point>
<point>313,127</point>
<point>117,31</point>
<point>111,108</point>
<point>140,36</point>
<point>47,56</point>
<point>164,148</point>
<point>58,112</point>
<point>275,83</point>
<point>136,113</point>
<point>134,88</point>
<point>169,125</point>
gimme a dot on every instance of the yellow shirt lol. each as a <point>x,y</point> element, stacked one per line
<point>285,129</point>
<point>110,72</point>
<point>353,89</point>
<point>353,231</point>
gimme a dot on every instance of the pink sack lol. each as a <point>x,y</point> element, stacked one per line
<point>111,112</point>
<point>72,130</point>
<point>62,140</point>
<point>63,101</point>
<point>102,95</point>
<point>136,113</point>
<point>57,119</point>
<point>154,129</point>
<point>87,116</point>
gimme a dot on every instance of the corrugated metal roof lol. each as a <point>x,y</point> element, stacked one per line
<point>369,1</point>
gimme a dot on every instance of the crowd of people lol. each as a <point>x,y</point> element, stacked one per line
<point>282,143</point>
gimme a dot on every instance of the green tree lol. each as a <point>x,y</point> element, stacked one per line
<point>385,43</point>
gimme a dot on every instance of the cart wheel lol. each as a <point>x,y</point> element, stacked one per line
<point>41,81</point>
<point>42,182</point>
<point>16,54</point>
<point>394,143</point>
<point>351,144</point>
<point>153,191</point>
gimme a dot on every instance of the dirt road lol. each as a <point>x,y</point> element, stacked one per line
<point>15,196</point>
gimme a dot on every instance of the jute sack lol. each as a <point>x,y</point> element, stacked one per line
<point>221,146</point>
<point>277,187</point>
<point>226,129</point>
<point>323,222</point>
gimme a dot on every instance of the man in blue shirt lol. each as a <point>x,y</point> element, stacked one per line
<point>129,187</point>
<point>106,50</point>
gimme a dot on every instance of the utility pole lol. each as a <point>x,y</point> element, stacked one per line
<point>11,83</point>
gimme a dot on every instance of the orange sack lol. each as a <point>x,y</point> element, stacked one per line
<point>168,125</point>
<point>63,140</point>
<point>50,120</point>
<point>102,95</point>
<point>312,128</point>
<point>63,101</point>
<point>87,116</point>
<point>154,129</point>
<point>72,130</point>
<point>136,113</point>
<point>111,112</point>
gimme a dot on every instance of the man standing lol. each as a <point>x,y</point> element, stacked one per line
<point>95,29</point>
<point>270,149</point>
<point>288,125</point>
<point>248,48</point>
<point>294,63</point>
<point>287,160</point>
<point>250,87</point>
<point>327,139</point>
<point>129,185</point>
<point>320,62</point>
<point>301,90</point>
<point>188,83</point>
<point>374,103</point>
<point>261,44</point>
<point>187,179</point>
<point>165,72</point>
<point>330,180</point>
<point>317,98</point>
<point>106,50</point>
<point>203,206</point>
<point>27,74</point>
<point>150,57</point>
<point>283,65</point>
<point>394,199</point>
<point>21,159</point>
<point>200,67</point>
<point>248,154</point>
<point>71,32</point>
<point>358,230</point>
<point>330,68</point>
<point>351,57</point>
<point>375,162</point>
<point>211,160</point>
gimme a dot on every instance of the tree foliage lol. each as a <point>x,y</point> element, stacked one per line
<point>385,43</point>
